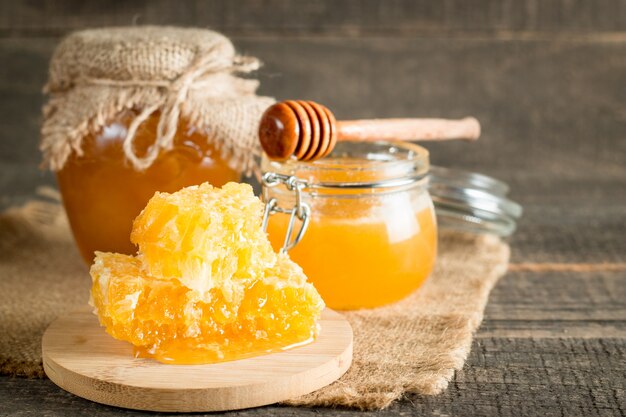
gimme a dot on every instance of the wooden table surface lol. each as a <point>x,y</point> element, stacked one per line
<point>548,82</point>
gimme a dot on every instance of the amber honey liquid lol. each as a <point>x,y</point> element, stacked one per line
<point>365,258</point>
<point>206,285</point>
<point>103,193</point>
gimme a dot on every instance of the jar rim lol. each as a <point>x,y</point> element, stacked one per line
<point>358,165</point>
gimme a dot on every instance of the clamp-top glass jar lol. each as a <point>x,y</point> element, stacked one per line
<point>370,233</point>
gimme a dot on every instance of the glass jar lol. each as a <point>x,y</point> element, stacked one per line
<point>370,233</point>
<point>103,193</point>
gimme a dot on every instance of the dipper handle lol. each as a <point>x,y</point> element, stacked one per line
<point>467,128</point>
<point>309,131</point>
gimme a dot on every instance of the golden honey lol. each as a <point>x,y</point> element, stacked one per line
<point>372,234</point>
<point>103,193</point>
<point>206,285</point>
<point>356,263</point>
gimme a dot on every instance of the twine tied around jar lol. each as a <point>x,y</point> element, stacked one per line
<point>190,73</point>
<point>197,76</point>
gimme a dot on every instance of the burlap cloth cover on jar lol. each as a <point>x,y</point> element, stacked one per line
<point>183,73</point>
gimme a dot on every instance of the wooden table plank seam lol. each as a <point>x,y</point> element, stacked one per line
<point>567,267</point>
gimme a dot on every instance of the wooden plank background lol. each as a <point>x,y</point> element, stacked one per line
<point>547,80</point>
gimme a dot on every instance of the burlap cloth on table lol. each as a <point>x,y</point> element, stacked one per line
<point>412,346</point>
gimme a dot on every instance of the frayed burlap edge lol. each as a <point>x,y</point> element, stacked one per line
<point>230,124</point>
<point>185,74</point>
<point>41,277</point>
<point>416,345</point>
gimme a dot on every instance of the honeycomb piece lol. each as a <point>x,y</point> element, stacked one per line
<point>204,236</point>
<point>206,285</point>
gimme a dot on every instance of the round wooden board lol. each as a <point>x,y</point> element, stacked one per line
<point>80,357</point>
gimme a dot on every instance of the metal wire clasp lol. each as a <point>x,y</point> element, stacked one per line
<point>300,210</point>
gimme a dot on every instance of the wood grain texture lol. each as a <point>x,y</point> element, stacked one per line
<point>80,357</point>
<point>547,343</point>
<point>558,142</point>
<point>509,377</point>
<point>569,126</point>
<point>346,17</point>
<point>557,305</point>
<point>408,129</point>
<point>546,80</point>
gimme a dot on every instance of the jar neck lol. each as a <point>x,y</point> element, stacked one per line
<point>281,189</point>
<point>356,168</point>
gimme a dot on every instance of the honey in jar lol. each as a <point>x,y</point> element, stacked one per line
<point>136,110</point>
<point>103,192</point>
<point>371,237</point>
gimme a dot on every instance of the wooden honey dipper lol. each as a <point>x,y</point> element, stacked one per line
<point>309,130</point>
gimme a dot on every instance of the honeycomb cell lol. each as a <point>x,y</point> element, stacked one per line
<point>205,285</point>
